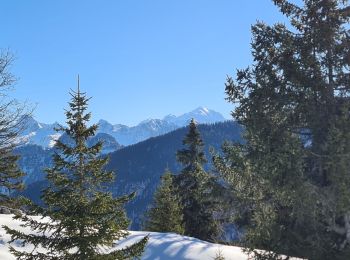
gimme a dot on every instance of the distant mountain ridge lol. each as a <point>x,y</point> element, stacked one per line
<point>44,135</point>
<point>138,167</point>
<point>35,133</point>
<point>202,115</point>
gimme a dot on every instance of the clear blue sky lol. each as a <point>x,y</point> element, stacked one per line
<point>137,59</point>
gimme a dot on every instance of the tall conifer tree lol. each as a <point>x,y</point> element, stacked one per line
<point>83,216</point>
<point>165,215</point>
<point>194,187</point>
<point>291,177</point>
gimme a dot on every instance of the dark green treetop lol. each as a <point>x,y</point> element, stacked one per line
<point>195,188</point>
<point>84,217</point>
<point>192,157</point>
<point>165,215</point>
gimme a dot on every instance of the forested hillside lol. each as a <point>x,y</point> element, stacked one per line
<point>140,166</point>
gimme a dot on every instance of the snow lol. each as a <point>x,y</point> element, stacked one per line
<point>24,139</point>
<point>44,134</point>
<point>203,111</point>
<point>160,246</point>
<point>53,138</point>
<point>172,246</point>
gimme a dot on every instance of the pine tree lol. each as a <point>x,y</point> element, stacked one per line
<point>291,177</point>
<point>84,217</point>
<point>194,186</point>
<point>165,215</point>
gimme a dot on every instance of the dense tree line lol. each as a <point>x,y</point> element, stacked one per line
<point>291,178</point>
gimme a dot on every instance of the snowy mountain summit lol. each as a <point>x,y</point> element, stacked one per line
<point>33,132</point>
<point>201,115</point>
<point>44,134</point>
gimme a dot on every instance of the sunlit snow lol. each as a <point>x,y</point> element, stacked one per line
<point>160,246</point>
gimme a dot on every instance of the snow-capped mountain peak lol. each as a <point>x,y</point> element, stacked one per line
<point>29,124</point>
<point>33,132</point>
<point>104,126</point>
<point>45,135</point>
<point>169,117</point>
<point>202,115</point>
<point>203,111</point>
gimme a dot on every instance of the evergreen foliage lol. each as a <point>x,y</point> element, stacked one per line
<point>141,165</point>
<point>194,186</point>
<point>84,217</point>
<point>165,215</point>
<point>291,178</point>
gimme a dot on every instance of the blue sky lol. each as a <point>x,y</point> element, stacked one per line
<point>137,59</point>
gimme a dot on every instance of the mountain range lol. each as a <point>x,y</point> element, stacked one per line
<point>44,135</point>
<point>138,167</point>
<point>138,154</point>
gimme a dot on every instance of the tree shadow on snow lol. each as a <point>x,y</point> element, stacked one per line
<point>167,245</point>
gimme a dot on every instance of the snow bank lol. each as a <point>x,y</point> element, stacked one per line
<point>161,246</point>
<point>172,246</point>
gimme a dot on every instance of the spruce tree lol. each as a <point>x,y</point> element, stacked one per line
<point>82,218</point>
<point>194,186</point>
<point>291,177</point>
<point>165,215</point>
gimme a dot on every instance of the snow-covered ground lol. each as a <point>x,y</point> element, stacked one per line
<point>172,246</point>
<point>160,246</point>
